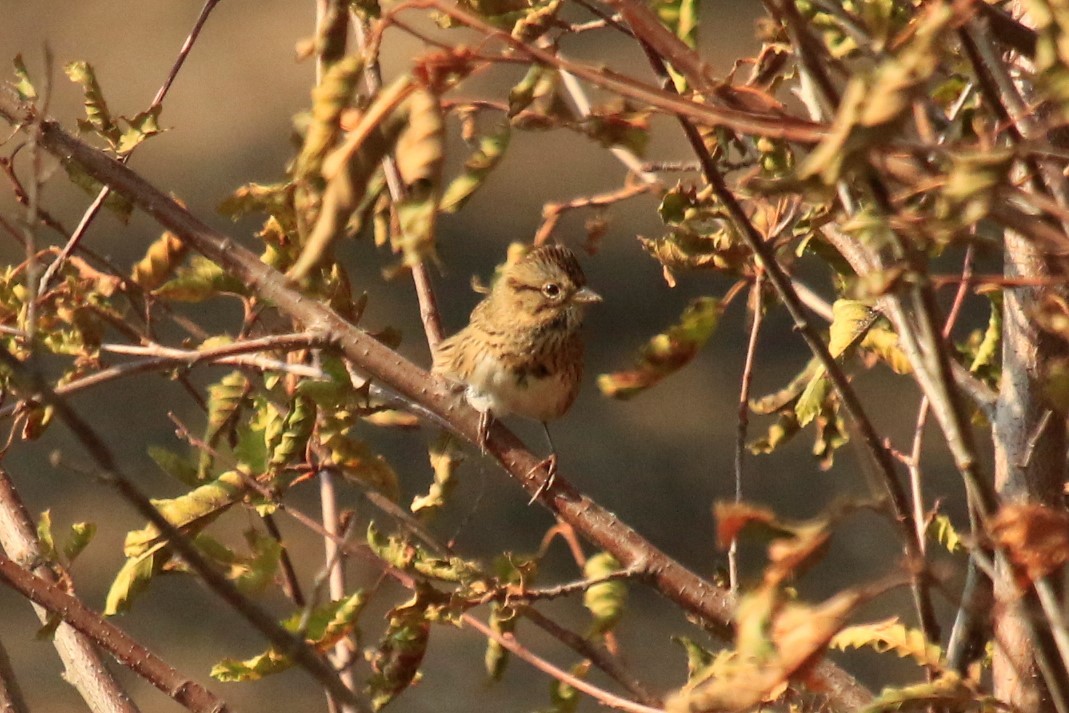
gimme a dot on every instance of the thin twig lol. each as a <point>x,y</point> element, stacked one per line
<point>98,202</point>
<point>508,641</point>
<point>744,419</point>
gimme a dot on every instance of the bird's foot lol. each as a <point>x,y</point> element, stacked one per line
<point>550,464</point>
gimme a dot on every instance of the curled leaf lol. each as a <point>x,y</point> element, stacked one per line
<point>666,353</point>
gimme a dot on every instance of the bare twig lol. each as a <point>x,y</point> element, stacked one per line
<point>98,202</point>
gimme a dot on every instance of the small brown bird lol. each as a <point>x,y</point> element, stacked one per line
<point>522,351</point>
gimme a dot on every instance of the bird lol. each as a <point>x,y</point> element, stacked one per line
<point>522,349</point>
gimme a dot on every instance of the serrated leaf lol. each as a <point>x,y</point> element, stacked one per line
<point>225,398</point>
<point>420,154</point>
<point>296,429</point>
<point>98,116</point>
<point>667,352</point>
<point>950,692</point>
<point>411,557</point>
<point>890,635</point>
<point>139,127</point>
<point>324,627</point>
<point>942,531</point>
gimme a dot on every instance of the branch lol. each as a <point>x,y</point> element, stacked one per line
<point>709,604</point>
<point>114,640</point>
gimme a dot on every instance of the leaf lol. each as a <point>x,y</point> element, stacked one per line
<point>605,601</point>
<point>778,400</point>
<point>79,537</point>
<point>160,261</point>
<point>667,352</point>
<point>325,627</point>
<point>296,430</point>
<point>23,85</point>
<point>950,692</point>
<point>890,635</point>
<point>942,531</point>
<point>502,621</point>
<point>44,535</point>
<point>355,459</point>
<point>1035,537</point>
<point>811,402</point>
<point>201,280</point>
<point>446,457</point>
<point>851,320</point>
<point>987,359</point>
<point>698,658</point>
<point>681,17</point>
<point>131,580</point>
<point>138,128</point>
<point>348,171</point>
<point>482,161</point>
<point>410,557</point>
<point>883,342</point>
<point>420,153</point>
<point>225,398</point>
<point>174,465</point>
<point>564,698</point>
<point>329,98</point>
<point>98,116</point>
<point>873,105</point>
<point>395,662</point>
<point>117,203</point>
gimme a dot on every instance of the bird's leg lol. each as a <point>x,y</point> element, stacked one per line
<point>550,464</point>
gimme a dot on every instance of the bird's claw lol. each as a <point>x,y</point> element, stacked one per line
<point>486,420</point>
<point>550,464</point>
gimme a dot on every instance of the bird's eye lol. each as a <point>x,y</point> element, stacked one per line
<point>551,290</point>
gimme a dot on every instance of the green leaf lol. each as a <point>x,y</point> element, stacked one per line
<point>23,86</point>
<point>118,204</point>
<point>138,128</point>
<point>131,580</point>
<point>698,658</point>
<point>893,636</point>
<point>851,320</point>
<point>395,662</point>
<point>325,627</point>
<point>478,166</point>
<point>446,457</point>
<point>79,537</point>
<point>667,352</point>
<point>502,621</point>
<point>812,400</point>
<point>605,601</point>
<point>44,535</point>
<point>329,98</point>
<point>950,692</point>
<point>201,280</point>
<point>942,530</point>
<point>189,513</point>
<point>98,116</point>
<point>178,467</point>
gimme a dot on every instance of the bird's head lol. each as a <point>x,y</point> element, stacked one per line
<point>545,286</point>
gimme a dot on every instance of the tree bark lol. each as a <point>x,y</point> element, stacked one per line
<point>1030,450</point>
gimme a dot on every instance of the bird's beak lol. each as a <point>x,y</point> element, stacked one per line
<point>586,296</point>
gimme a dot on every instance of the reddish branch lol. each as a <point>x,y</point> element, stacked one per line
<point>709,604</point>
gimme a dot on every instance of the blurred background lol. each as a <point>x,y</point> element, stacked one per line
<point>659,461</point>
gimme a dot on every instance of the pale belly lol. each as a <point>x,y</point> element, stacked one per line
<point>492,388</point>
